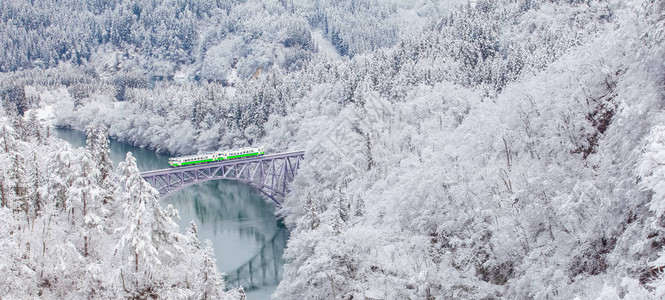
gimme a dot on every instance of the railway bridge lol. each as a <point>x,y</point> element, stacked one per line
<point>269,174</point>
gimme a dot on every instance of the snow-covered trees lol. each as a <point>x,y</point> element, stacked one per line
<point>529,193</point>
<point>209,284</point>
<point>652,172</point>
<point>497,149</point>
<point>145,245</point>
<point>72,228</point>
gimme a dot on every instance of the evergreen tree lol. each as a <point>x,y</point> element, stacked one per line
<point>311,214</point>
<point>193,235</point>
<point>61,177</point>
<point>211,283</point>
<point>6,196</point>
<point>135,248</point>
<point>360,206</point>
<point>102,156</point>
<point>34,127</point>
<point>19,177</point>
<point>149,237</point>
<point>8,139</point>
<point>91,139</point>
<point>36,194</point>
<point>84,203</point>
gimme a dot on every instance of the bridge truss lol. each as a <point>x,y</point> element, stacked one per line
<point>269,174</point>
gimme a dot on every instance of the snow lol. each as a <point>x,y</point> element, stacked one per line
<point>324,46</point>
<point>46,115</point>
<point>49,98</point>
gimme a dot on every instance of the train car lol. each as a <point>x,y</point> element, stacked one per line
<point>215,156</point>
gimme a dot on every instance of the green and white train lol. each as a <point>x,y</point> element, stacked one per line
<point>215,156</point>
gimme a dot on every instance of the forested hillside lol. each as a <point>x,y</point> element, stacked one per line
<point>74,228</point>
<point>455,150</point>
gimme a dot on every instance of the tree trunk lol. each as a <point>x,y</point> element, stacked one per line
<point>4,193</point>
<point>4,135</point>
<point>136,253</point>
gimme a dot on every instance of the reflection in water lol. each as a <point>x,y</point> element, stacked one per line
<point>237,219</point>
<point>265,268</point>
<point>232,215</point>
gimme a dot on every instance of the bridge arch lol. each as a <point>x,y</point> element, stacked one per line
<point>269,174</point>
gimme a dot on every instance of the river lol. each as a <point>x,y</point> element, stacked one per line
<point>238,221</point>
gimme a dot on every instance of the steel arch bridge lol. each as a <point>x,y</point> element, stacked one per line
<point>270,174</point>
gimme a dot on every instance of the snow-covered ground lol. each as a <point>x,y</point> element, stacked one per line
<point>324,45</point>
